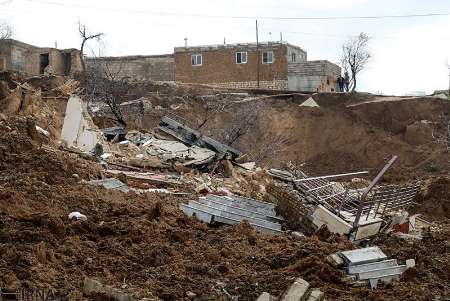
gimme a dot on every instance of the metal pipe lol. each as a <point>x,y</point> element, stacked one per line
<point>333,176</point>
<point>370,187</point>
<point>320,187</point>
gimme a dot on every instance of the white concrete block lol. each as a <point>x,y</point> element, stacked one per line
<point>265,297</point>
<point>335,260</point>
<point>310,102</point>
<point>76,130</point>
<point>316,295</point>
<point>368,228</point>
<point>335,224</point>
<point>297,291</point>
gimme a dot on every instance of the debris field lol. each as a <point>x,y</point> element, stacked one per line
<point>177,204</point>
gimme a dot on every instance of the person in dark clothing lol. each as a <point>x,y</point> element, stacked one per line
<point>346,81</point>
<point>340,82</point>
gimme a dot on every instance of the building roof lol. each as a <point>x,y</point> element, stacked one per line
<point>234,46</point>
<point>129,57</point>
<point>19,43</point>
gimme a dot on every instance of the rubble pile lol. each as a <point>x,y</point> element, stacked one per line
<point>172,213</point>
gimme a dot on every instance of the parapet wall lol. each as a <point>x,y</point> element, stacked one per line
<point>313,76</point>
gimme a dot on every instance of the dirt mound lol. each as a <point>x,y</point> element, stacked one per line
<point>347,132</point>
<point>144,245</point>
<point>434,201</point>
<point>141,241</point>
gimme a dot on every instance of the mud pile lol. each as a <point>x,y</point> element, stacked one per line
<point>145,246</point>
<point>434,201</point>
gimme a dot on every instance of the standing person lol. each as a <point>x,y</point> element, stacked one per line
<point>346,81</point>
<point>340,82</point>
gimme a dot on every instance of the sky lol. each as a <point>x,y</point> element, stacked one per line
<point>409,54</point>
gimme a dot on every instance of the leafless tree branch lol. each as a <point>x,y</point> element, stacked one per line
<point>6,30</point>
<point>242,122</point>
<point>355,56</point>
<point>85,36</point>
<point>103,84</point>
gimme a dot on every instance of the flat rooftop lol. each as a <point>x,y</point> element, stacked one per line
<point>252,45</point>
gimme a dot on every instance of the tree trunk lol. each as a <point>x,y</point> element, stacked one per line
<point>83,66</point>
<point>354,82</point>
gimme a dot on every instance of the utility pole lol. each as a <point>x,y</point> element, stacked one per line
<point>257,54</point>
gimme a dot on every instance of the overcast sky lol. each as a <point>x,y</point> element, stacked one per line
<point>409,54</point>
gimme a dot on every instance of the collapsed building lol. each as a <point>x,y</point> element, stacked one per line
<point>121,213</point>
<point>32,60</point>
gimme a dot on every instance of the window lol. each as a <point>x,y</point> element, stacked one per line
<point>241,57</point>
<point>293,57</point>
<point>196,60</point>
<point>267,57</point>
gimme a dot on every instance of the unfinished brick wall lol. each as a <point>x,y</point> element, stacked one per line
<point>219,66</point>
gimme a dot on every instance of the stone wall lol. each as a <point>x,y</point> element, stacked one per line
<point>313,76</point>
<point>159,68</point>
<point>270,85</point>
<point>219,64</point>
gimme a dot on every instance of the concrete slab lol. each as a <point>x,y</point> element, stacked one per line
<point>235,214</point>
<point>368,228</point>
<point>371,266</point>
<point>335,224</point>
<point>111,183</point>
<point>335,260</point>
<point>363,256</point>
<point>297,291</point>
<point>245,204</point>
<point>265,297</point>
<point>76,130</point>
<point>316,295</point>
<point>382,273</point>
<point>209,214</point>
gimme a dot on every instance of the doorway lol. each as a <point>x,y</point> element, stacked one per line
<point>43,62</point>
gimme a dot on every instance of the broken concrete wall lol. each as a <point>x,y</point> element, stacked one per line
<point>78,129</point>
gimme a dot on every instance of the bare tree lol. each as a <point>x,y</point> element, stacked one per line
<point>275,145</point>
<point>210,110</point>
<point>6,30</point>
<point>241,123</point>
<point>86,36</point>
<point>101,85</point>
<point>355,56</point>
<point>448,67</point>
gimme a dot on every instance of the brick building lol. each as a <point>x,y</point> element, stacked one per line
<point>278,65</point>
<point>22,57</point>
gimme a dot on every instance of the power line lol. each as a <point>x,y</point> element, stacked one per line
<point>335,35</point>
<point>121,10</point>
